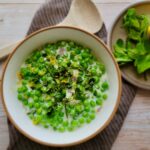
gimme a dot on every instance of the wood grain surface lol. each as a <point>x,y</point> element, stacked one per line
<point>15,18</point>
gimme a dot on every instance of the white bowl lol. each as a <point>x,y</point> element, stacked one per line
<point>15,110</point>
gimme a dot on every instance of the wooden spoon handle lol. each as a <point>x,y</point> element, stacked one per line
<point>6,50</point>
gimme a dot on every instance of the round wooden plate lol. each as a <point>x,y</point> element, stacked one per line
<point>129,71</point>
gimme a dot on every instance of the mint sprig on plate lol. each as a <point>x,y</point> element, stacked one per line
<point>136,48</point>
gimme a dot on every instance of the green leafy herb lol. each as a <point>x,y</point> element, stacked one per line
<point>121,53</point>
<point>136,48</point>
<point>142,63</point>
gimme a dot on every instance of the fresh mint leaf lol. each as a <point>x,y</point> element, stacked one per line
<point>135,23</point>
<point>134,35</point>
<point>121,53</point>
<point>144,24</point>
<point>140,48</point>
<point>142,63</point>
<point>136,47</point>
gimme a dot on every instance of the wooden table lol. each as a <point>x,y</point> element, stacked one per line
<point>15,18</point>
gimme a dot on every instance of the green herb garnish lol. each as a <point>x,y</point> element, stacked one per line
<point>136,48</point>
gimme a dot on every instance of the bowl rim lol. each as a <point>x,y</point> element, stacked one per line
<point>109,41</point>
<point>99,129</point>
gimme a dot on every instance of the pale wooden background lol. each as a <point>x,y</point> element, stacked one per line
<point>15,18</point>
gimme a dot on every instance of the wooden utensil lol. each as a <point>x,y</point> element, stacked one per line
<point>82,14</point>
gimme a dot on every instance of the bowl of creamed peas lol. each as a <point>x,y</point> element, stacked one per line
<point>61,86</point>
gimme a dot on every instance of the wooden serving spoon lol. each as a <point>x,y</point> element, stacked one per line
<point>82,14</point>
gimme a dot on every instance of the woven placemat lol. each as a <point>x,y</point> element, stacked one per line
<point>51,13</point>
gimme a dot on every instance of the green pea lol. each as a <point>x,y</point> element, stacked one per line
<point>35,122</point>
<point>24,82</point>
<point>102,89</point>
<point>37,93</point>
<point>61,129</point>
<point>73,112</point>
<point>77,51</point>
<point>30,105</point>
<point>37,105</point>
<point>44,78</point>
<point>92,116</point>
<point>87,108</point>
<point>99,102</point>
<point>81,120</point>
<point>84,55</point>
<point>47,50</point>
<point>25,102</point>
<point>63,43</point>
<point>86,103</point>
<point>28,93</point>
<point>105,85</point>
<point>85,114</point>
<point>65,123</point>
<point>32,94</point>
<point>105,96</point>
<point>20,97</point>
<point>74,123</point>
<point>35,70</point>
<point>39,111</point>
<point>96,79</point>
<point>35,98</point>
<point>41,59</point>
<point>22,89</point>
<point>88,120</point>
<point>70,128</point>
<point>79,108</point>
<point>93,103</point>
<point>97,94</point>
